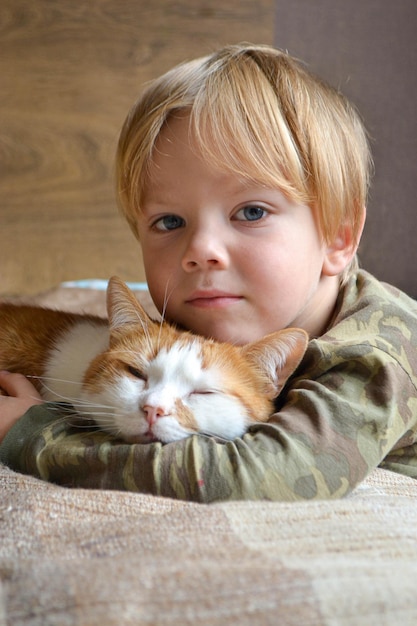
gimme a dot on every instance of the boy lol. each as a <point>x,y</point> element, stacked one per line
<point>245,179</point>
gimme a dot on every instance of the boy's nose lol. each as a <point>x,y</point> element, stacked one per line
<point>205,251</point>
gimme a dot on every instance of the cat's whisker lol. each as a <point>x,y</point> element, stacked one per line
<point>76,420</point>
<point>70,399</point>
<point>166,298</point>
<point>145,331</point>
<point>164,308</point>
<point>86,415</point>
<point>51,378</point>
<point>58,397</point>
<point>85,410</point>
<point>75,401</point>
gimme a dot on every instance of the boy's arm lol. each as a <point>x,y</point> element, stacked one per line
<point>330,433</point>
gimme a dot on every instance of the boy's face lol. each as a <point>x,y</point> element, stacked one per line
<point>226,258</point>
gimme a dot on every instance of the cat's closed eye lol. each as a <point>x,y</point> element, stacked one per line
<point>135,372</point>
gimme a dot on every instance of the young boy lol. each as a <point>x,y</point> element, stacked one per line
<point>245,179</point>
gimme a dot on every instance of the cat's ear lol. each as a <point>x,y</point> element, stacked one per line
<point>278,355</point>
<point>122,306</point>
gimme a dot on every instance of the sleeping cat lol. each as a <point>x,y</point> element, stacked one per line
<point>143,380</point>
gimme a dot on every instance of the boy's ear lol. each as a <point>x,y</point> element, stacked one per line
<point>342,249</point>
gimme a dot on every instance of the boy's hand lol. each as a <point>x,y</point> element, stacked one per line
<point>21,395</point>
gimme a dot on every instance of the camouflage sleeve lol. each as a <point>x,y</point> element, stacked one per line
<point>329,433</point>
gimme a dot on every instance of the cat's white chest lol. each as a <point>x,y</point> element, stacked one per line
<point>70,358</point>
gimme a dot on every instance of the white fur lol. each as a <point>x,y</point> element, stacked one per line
<point>115,407</point>
<point>63,374</point>
<point>175,373</point>
<point>219,414</point>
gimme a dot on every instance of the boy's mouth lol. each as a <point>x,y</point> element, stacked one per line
<point>212,299</point>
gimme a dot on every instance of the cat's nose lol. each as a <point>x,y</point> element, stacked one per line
<point>152,413</point>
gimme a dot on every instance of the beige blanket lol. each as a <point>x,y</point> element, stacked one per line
<point>76,557</point>
<point>81,558</point>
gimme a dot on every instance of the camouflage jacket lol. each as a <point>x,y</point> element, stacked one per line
<point>350,407</point>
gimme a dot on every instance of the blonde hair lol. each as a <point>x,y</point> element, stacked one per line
<point>256,112</point>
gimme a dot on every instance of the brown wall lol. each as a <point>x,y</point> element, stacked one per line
<point>369,49</point>
<point>69,71</point>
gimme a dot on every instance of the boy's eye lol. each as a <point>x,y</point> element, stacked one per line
<point>169,222</point>
<point>250,213</point>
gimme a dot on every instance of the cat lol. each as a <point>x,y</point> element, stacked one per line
<point>143,380</point>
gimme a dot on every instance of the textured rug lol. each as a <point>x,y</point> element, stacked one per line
<point>78,558</point>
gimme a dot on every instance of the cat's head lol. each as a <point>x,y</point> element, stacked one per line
<point>156,382</point>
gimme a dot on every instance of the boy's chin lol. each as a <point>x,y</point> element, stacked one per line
<point>236,334</point>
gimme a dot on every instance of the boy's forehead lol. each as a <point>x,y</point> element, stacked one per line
<point>162,186</point>
<point>176,157</point>
<point>176,129</point>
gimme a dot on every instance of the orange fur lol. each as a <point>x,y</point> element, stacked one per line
<point>29,333</point>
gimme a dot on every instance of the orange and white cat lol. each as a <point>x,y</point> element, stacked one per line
<point>143,380</point>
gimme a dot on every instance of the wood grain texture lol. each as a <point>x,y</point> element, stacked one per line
<point>69,72</point>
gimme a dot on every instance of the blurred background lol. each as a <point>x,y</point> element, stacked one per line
<point>69,72</point>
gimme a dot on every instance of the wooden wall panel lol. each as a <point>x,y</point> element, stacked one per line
<point>69,72</point>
